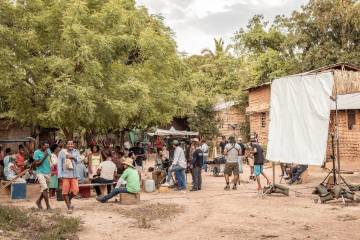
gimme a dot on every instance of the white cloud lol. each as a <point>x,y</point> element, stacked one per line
<point>197,22</point>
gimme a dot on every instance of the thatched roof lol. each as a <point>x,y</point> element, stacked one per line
<point>346,82</point>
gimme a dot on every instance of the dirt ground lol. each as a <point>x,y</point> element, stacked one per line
<point>217,214</point>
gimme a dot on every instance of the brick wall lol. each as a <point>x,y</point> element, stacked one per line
<point>257,127</point>
<point>349,141</point>
<point>228,117</point>
<point>258,111</point>
<point>259,99</point>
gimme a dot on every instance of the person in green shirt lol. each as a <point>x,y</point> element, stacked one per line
<point>42,164</point>
<point>130,177</point>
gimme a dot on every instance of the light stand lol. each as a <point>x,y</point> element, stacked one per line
<point>275,188</point>
<point>339,187</point>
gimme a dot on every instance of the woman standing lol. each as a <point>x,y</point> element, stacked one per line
<point>54,184</point>
<point>94,160</point>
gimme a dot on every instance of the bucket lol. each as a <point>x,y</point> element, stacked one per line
<point>149,185</point>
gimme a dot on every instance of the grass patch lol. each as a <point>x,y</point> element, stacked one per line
<point>150,212</point>
<point>37,225</point>
<point>12,218</point>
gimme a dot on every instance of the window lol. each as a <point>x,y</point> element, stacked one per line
<point>263,119</point>
<point>351,119</point>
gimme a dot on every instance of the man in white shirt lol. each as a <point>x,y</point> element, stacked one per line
<point>205,149</point>
<point>107,171</point>
<point>178,166</point>
<point>232,152</point>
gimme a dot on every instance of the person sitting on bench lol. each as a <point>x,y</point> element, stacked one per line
<point>160,171</point>
<point>7,160</point>
<point>107,171</point>
<point>130,177</point>
<point>296,172</point>
<point>13,171</point>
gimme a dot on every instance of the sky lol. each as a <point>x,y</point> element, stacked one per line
<point>197,22</point>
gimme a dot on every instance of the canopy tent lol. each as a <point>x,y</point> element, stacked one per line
<point>172,132</point>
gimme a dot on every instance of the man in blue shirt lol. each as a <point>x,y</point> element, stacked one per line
<point>42,164</point>
<point>67,172</point>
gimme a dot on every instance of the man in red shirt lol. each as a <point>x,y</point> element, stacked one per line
<point>20,158</point>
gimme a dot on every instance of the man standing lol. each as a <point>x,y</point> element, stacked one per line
<point>259,159</point>
<point>196,164</point>
<point>223,144</point>
<point>130,177</point>
<point>178,166</point>
<point>241,157</point>
<point>42,163</point>
<point>67,172</point>
<point>232,153</point>
<point>205,150</point>
<point>139,153</point>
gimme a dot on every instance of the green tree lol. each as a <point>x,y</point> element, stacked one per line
<point>220,49</point>
<point>89,64</point>
<point>265,49</point>
<point>203,120</point>
<point>325,32</point>
<point>306,40</point>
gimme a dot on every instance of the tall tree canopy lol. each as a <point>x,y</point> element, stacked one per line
<point>306,40</point>
<point>88,64</point>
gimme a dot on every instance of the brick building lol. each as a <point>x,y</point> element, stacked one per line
<point>230,119</point>
<point>258,111</point>
<point>347,78</point>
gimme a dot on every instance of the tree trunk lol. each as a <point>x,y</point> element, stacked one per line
<point>69,134</point>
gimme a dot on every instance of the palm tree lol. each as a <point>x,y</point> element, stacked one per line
<point>220,49</point>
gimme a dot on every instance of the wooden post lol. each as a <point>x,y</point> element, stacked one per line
<point>273,167</point>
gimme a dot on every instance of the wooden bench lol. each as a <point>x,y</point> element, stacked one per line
<point>85,189</point>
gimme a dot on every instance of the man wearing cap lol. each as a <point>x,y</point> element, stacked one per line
<point>196,165</point>
<point>178,166</point>
<point>232,153</point>
<point>130,177</point>
<point>259,159</point>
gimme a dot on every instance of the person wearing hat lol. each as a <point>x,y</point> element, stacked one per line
<point>257,152</point>
<point>178,166</point>
<point>130,177</point>
<point>232,152</point>
<point>196,166</point>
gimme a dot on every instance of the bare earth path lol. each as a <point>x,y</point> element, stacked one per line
<point>216,214</point>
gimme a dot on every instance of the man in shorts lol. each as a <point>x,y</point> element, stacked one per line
<point>232,152</point>
<point>42,163</point>
<point>259,159</point>
<point>67,173</point>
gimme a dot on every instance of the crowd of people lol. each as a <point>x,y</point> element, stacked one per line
<point>62,167</point>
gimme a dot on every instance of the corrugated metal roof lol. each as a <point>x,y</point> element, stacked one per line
<point>347,102</point>
<point>223,105</point>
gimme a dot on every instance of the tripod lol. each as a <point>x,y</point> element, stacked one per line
<point>339,187</point>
